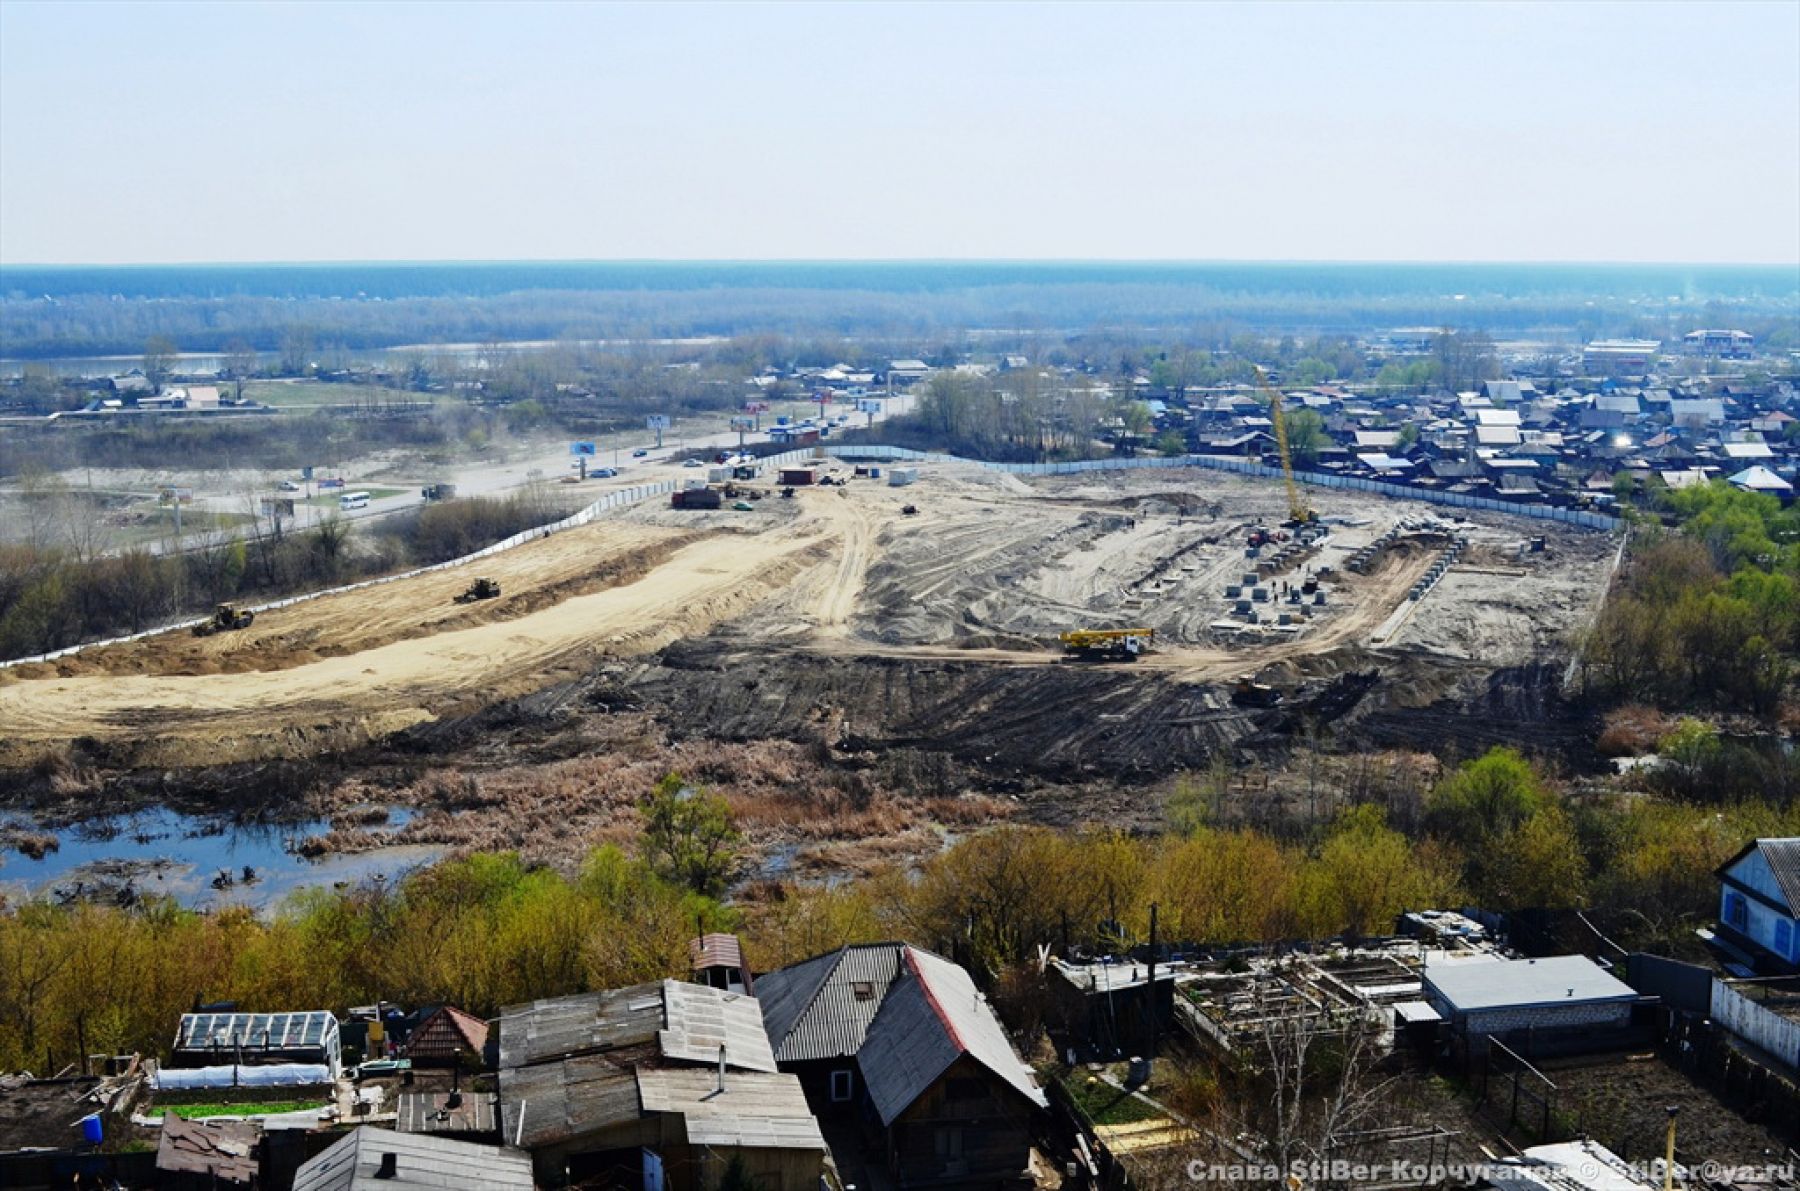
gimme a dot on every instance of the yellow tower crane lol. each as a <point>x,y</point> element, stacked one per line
<point>1297,508</point>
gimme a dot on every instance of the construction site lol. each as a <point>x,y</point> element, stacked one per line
<point>929,620</point>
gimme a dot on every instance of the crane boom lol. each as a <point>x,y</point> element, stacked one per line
<point>1297,508</point>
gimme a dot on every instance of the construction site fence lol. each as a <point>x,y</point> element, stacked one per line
<point>1246,467</point>
<point>609,503</point>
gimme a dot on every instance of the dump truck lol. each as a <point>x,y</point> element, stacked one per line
<point>1250,693</point>
<point>481,589</point>
<point>225,619</point>
<point>1108,644</point>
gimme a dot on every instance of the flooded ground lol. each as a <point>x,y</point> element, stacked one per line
<point>198,861</point>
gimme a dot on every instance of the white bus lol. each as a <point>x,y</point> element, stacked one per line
<point>353,500</point>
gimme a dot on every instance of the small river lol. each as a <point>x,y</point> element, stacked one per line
<point>163,853</point>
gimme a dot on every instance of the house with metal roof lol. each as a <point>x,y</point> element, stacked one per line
<point>665,1084</point>
<point>371,1159</point>
<point>1759,902</point>
<point>1567,995</point>
<point>901,1039</point>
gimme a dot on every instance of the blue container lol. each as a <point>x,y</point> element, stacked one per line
<point>90,1129</point>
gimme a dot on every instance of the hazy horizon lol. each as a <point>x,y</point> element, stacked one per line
<point>1598,133</point>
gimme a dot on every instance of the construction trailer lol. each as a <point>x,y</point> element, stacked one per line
<point>798,477</point>
<point>900,477</point>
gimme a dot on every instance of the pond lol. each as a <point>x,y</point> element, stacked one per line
<point>200,861</point>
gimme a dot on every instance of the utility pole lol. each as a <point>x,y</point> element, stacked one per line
<point>1150,1055</point>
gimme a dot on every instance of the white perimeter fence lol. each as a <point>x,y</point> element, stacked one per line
<point>624,497</point>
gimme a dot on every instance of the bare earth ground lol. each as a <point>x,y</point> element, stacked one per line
<point>992,571</point>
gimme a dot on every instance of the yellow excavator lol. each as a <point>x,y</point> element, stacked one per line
<point>1298,512</point>
<point>1125,645</point>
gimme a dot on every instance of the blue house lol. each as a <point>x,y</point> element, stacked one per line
<point>1759,902</point>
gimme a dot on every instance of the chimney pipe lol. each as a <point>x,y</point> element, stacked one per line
<point>721,1087</point>
<point>389,1168</point>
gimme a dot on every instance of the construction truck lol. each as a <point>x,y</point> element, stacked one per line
<point>481,589</point>
<point>225,618</point>
<point>1124,645</point>
<point>1298,512</point>
<point>1250,693</point>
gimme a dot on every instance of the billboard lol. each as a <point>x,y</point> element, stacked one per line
<point>583,448</point>
<point>742,423</point>
<point>657,422</point>
<point>868,405</point>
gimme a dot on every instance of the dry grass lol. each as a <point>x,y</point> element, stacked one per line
<point>1632,731</point>
<point>786,797</point>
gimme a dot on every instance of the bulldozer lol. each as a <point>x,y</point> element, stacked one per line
<point>481,589</point>
<point>225,618</point>
<point>1250,693</point>
<point>1125,645</point>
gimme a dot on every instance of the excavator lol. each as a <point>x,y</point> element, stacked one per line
<point>1126,645</point>
<point>1298,511</point>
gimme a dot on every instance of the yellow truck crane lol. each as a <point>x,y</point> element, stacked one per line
<point>1124,645</point>
<point>1298,512</point>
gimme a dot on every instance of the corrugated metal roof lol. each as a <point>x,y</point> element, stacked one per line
<point>1556,980</point>
<point>421,1162</point>
<point>905,1014</point>
<point>815,1009</point>
<point>755,1109</point>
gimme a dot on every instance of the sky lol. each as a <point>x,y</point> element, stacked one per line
<point>161,132</point>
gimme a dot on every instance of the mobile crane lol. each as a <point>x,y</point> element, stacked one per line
<point>1298,511</point>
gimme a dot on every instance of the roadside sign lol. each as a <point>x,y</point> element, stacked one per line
<point>742,423</point>
<point>176,496</point>
<point>583,448</point>
<point>868,405</point>
<point>306,473</point>
<point>657,422</point>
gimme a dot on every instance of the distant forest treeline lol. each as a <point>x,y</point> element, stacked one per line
<point>51,312</point>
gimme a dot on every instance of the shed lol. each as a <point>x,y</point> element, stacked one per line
<point>371,1159</point>
<point>445,1037</point>
<point>1563,992</point>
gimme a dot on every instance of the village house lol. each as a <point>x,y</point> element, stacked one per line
<point>900,1039</point>
<point>663,1085</point>
<point>1759,902</point>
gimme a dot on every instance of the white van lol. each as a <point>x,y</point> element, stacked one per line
<point>353,500</point>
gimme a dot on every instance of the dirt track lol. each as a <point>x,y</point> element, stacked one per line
<point>989,572</point>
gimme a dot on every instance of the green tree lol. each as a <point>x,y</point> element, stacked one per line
<point>689,836</point>
<point>1488,797</point>
<point>1306,435</point>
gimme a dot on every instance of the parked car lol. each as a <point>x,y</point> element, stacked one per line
<point>693,463</point>
<point>640,452</point>
<point>603,473</point>
<point>288,486</point>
